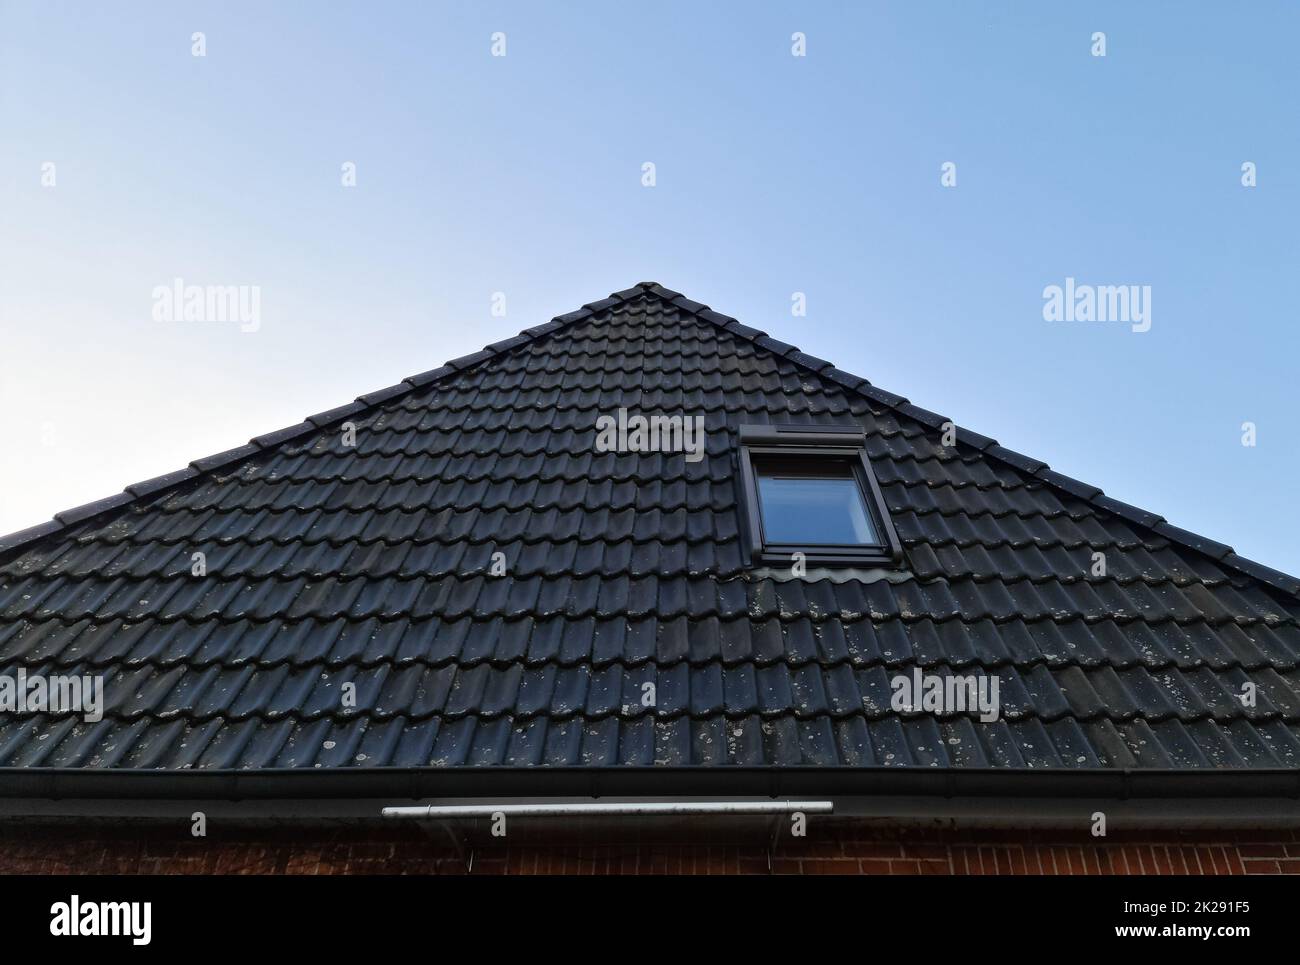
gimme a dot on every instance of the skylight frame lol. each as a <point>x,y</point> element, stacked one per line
<point>807,445</point>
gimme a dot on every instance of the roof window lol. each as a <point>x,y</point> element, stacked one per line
<point>811,491</point>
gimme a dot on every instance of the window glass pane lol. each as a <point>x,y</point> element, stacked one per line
<point>799,508</point>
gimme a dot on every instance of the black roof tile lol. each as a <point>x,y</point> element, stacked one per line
<point>148,487</point>
<point>224,459</point>
<point>1209,547</point>
<point>70,516</point>
<point>627,627</point>
<point>283,435</point>
<point>1016,459</point>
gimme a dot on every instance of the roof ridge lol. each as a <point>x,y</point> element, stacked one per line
<point>1036,468</point>
<point>312,423</point>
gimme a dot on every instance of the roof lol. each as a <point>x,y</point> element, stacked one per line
<point>370,565</point>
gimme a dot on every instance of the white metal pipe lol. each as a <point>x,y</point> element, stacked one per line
<point>602,808</point>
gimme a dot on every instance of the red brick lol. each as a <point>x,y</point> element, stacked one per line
<point>877,849</point>
<point>874,866</point>
<point>1216,860</point>
<point>839,850</point>
<point>1263,866</point>
<point>830,866</point>
<point>904,866</point>
<point>1268,851</point>
<point>1016,861</point>
<point>919,851</point>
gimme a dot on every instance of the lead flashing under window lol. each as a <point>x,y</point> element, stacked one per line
<point>842,453</point>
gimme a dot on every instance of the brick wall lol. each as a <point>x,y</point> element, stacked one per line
<point>847,850</point>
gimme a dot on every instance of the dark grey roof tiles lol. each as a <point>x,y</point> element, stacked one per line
<point>371,567</point>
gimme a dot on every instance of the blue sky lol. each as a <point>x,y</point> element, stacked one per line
<point>775,174</point>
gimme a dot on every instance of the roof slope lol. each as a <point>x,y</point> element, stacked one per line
<point>369,565</point>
